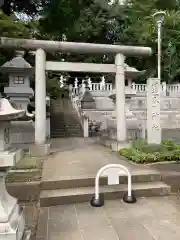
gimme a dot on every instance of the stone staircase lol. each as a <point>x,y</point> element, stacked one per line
<point>77,190</point>
<point>64,120</point>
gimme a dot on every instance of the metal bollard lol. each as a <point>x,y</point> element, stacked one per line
<point>98,200</point>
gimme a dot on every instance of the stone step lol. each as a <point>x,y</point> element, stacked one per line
<point>58,120</point>
<point>56,131</point>
<point>58,134</point>
<point>60,126</point>
<point>74,130</point>
<point>85,194</point>
<point>85,181</point>
<point>67,135</point>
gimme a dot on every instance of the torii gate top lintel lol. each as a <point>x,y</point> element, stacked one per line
<point>74,47</point>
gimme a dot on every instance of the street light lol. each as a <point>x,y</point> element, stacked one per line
<point>159,18</point>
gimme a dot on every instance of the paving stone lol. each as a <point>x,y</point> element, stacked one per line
<point>42,223</point>
<point>62,212</point>
<point>115,208</point>
<point>130,229</point>
<point>139,209</point>
<point>65,236</point>
<point>76,161</point>
<point>162,230</point>
<point>100,234</point>
<point>125,224</point>
<point>63,222</point>
<point>149,219</point>
<point>91,218</point>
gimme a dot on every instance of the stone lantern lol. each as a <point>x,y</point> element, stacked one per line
<point>12,222</point>
<point>132,73</point>
<point>88,101</point>
<point>20,72</point>
<point>134,126</point>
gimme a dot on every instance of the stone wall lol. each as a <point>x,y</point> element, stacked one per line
<point>170,118</point>
<point>24,132</point>
<point>167,103</point>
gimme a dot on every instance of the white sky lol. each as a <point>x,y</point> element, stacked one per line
<point>24,16</point>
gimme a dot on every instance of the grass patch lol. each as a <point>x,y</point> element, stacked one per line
<point>28,162</point>
<point>141,152</point>
<point>23,177</point>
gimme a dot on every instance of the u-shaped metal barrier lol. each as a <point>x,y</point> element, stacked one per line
<point>98,200</point>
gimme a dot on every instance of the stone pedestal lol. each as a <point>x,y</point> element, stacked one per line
<point>8,155</point>
<point>12,222</point>
<point>40,150</point>
<point>117,146</point>
<point>114,145</point>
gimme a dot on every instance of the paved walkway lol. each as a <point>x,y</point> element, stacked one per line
<point>148,219</point>
<point>79,158</point>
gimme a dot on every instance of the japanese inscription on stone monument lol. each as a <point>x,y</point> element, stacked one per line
<point>153,111</point>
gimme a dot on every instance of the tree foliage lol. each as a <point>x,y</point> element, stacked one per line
<point>10,27</point>
<point>97,21</point>
<point>31,7</point>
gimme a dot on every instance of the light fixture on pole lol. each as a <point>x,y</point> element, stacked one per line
<point>159,18</point>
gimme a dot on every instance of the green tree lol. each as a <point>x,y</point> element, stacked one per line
<point>53,88</point>
<point>10,27</point>
<point>98,22</point>
<point>129,24</point>
<point>30,7</point>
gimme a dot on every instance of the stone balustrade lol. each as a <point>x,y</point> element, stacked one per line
<point>172,90</point>
<point>100,87</point>
<point>105,114</point>
<point>167,103</point>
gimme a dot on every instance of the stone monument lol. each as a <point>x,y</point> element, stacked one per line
<point>12,221</point>
<point>153,111</point>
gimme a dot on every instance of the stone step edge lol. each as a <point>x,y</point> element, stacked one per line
<point>85,194</point>
<point>90,181</point>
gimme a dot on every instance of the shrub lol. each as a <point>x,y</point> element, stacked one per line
<point>139,144</point>
<point>151,148</point>
<point>141,152</point>
<point>176,155</point>
<point>169,144</point>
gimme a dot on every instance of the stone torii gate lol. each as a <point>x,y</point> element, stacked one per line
<point>41,66</point>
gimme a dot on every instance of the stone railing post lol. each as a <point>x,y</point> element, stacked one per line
<point>163,89</point>
<point>133,86</point>
<point>129,82</point>
<point>70,89</point>
<point>86,126</point>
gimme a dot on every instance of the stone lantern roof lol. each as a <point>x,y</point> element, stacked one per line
<point>132,72</point>
<point>18,65</point>
<point>129,72</point>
